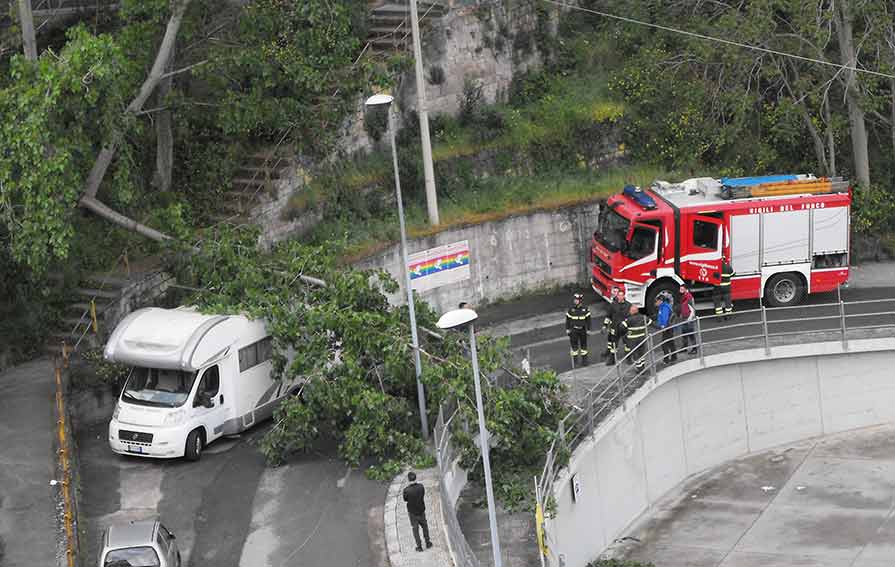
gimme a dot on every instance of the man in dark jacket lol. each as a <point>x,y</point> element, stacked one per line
<point>415,496</point>
<point>618,310</point>
<point>577,326</point>
<point>635,327</point>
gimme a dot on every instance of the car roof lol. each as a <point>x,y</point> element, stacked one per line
<point>131,534</point>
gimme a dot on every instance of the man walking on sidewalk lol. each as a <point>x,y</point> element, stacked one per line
<point>415,496</point>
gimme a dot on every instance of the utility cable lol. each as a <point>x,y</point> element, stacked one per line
<point>718,39</point>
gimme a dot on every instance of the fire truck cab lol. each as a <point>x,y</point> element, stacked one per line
<point>784,236</point>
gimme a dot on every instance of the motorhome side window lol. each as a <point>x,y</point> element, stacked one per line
<point>255,354</point>
<point>705,234</point>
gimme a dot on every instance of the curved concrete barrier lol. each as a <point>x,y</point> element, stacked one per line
<point>691,418</point>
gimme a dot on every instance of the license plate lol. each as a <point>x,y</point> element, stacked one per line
<point>134,449</point>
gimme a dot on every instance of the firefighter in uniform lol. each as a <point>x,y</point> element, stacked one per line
<point>618,310</point>
<point>577,326</point>
<point>634,328</point>
<point>721,293</point>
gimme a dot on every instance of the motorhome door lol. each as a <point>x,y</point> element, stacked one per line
<point>209,402</point>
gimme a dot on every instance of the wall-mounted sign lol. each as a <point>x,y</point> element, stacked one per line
<point>576,488</point>
<point>439,266</point>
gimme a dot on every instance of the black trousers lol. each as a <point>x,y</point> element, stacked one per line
<point>578,343</point>
<point>668,345</point>
<point>721,299</point>
<point>417,520</point>
<point>613,337</point>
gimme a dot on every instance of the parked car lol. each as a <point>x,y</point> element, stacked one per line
<point>145,543</point>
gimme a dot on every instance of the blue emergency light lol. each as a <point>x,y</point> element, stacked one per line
<point>639,197</point>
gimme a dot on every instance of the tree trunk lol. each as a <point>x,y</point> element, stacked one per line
<point>164,134</point>
<point>101,165</point>
<point>831,139</point>
<point>858,128</point>
<point>892,116</point>
<point>100,209</point>
<point>29,40</point>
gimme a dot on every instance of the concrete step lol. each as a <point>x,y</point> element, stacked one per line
<point>79,307</point>
<point>245,192</point>
<point>75,322</point>
<point>228,218</point>
<point>263,172</point>
<point>236,206</point>
<point>89,292</point>
<point>258,181</point>
<point>108,281</point>
<point>390,43</point>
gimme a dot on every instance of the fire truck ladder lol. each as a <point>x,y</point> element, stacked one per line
<point>812,186</point>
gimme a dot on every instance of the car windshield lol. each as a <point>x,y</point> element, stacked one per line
<point>612,229</point>
<point>132,557</point>
<point>158,387</point>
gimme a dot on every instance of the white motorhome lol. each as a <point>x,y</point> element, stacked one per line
<point>194,378</point>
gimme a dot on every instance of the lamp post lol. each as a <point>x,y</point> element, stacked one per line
<point>386,101</point>
<point>459,318</point>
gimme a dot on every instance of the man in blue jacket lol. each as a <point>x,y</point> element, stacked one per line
<point>664,314</point>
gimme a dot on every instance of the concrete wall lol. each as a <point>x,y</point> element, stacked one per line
<point>689,419</point>
<point>508,257</point>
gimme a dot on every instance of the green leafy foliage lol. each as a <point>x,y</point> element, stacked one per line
<point>50,109</point>
<point>352,350</point>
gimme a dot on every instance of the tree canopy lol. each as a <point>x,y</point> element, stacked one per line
<point>353,349</point>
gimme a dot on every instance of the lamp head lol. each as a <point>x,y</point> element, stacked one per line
<point>456,318</point>
<point>379,100</point>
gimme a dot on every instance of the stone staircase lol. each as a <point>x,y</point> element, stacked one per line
<point>256,177</point>
<point>390,23</point>
<point>76,320</point>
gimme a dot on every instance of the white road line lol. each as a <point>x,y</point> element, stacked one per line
<point>262,540</point>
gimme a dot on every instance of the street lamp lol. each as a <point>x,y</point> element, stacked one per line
<point>459,318</point>
<point>386,101</point>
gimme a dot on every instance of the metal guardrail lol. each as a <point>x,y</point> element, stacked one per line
<point>755,328</point>
<point>460,549</point>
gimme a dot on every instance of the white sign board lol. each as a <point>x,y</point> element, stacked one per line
<point>439,266</point>
<point>576,487</point>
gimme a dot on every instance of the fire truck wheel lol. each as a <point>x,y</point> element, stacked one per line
<point>783,290</point>
<point>654,292</point>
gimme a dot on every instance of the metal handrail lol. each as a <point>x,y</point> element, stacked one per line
<point>618,383</point>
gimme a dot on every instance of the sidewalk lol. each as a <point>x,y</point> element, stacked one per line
<point>398,533</point>
<point>28,524</point>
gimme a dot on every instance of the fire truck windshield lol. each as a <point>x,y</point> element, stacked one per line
<point>612,229</point>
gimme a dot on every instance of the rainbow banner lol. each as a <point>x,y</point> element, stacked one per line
<point>439,266</point>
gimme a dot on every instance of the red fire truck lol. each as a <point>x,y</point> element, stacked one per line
<point>784,235</point>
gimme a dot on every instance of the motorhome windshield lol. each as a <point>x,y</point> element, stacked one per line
<point>612,229</point>
<point>158,387</point>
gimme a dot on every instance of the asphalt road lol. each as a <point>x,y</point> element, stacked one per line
<point>231,510</point>
<point>548,346</point>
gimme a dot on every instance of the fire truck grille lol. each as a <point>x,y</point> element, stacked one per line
<point>604,267</point>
